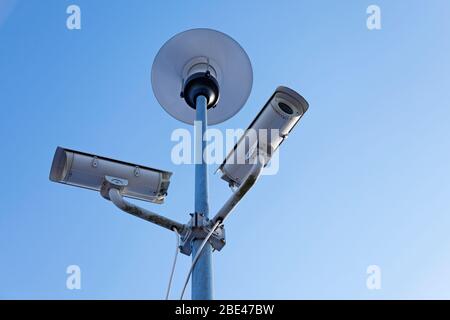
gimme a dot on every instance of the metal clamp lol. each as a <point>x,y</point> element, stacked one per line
<point>197,229</point>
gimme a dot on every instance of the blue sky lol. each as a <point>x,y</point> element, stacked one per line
<point>364,179</point>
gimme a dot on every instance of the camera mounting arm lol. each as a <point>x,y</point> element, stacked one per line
<point>116,198</point>
<point>111,190</point>
<point>239,193</point>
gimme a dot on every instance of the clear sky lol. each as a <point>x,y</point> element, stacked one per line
<point>364,179</point>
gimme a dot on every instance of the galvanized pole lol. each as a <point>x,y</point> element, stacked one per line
<point>202,275</point>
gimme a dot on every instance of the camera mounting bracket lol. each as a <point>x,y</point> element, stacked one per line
<point>197,229</point>
<point>112,183</point>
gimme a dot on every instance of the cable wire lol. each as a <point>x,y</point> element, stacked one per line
<point>174,263</point>
<point>197,256</point>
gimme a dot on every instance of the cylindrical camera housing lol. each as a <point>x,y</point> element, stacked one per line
<point>265,134</point>
<point>90,171</point>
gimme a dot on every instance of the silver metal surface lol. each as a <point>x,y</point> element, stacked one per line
<point>265,134</point>
<point>226,209</point>
<point>116,198</point>
<point>199,228</point>
<point>89,171</point>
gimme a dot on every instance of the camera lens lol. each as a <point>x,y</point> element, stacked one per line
<point>285,108</point>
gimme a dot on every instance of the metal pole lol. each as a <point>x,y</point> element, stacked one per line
<point>202,275</point>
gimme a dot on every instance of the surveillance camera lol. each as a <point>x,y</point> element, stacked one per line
<point>90,171</point>
<point>264,135</point>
